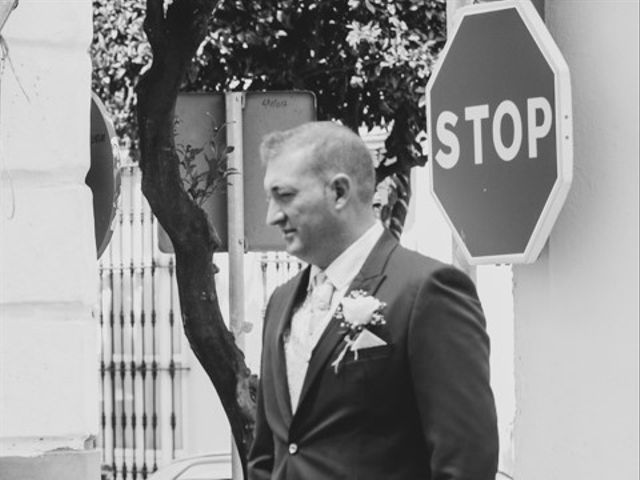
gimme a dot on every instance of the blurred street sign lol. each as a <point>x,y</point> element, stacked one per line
<point>200,123</point>
<point>198,114</point>
<point>266,112</point>
<point>500,132</point>
<point>103,177</point>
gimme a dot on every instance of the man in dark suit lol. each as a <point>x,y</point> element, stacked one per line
<point>375,362</point>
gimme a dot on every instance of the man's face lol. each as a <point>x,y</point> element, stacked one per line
<point>301,205</point>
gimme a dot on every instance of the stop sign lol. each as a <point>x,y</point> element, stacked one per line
<point>499,125</point>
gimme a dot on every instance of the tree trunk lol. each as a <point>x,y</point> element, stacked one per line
<point>399,145</point>
<point>399,209</point>
<point>174,37</point>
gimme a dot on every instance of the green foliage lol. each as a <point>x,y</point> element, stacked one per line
<point>204,169</point>
<point>119,52</point>
<point>367,61</point>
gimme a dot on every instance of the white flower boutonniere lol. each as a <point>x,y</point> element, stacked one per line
<point>357,311</point>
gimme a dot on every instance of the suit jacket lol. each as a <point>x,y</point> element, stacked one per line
<point>418,408</point>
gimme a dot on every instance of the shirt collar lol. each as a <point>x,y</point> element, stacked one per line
<point>346,266</point>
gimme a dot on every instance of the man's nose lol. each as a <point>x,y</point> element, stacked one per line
<point>274,214</point>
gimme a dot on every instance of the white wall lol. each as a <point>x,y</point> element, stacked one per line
<point>427,232</point>
<point>48,282</point>
<point>576,308</point>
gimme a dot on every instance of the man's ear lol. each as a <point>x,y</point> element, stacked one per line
<point>343,189</point>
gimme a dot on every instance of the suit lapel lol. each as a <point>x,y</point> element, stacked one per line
<point>296,292</point>
<point>368,279</point>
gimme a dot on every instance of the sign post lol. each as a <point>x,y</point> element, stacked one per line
<point>238,217</point>
<point>235,228</point>
<point>499,124</point>
<point>249,116</point>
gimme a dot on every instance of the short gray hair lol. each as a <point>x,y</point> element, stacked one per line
<point>333,149</point>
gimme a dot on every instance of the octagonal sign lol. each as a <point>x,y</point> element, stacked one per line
<point>499,124</point>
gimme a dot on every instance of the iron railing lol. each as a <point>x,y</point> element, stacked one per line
<point>142,367</point>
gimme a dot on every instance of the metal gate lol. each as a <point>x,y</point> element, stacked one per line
<point>142,354</point>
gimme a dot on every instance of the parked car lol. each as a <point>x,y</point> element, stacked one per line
<point>213,466</point>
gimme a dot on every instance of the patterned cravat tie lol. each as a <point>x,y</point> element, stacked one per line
<point>306,327</point>
<point>321,293</point>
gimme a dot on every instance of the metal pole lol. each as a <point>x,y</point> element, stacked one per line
<point>235,213</point>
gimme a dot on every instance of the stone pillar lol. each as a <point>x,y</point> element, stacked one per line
<point>576,307</point>
<point>48,269</point>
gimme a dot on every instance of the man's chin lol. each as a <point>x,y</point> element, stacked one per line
<point>293,248</point>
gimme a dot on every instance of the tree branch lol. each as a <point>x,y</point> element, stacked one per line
<point>174,39</point>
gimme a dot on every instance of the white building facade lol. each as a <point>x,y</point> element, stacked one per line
<point>48,270</point>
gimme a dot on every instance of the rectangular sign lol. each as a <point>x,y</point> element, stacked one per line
<point>201,122</point>
<point>200,119</point>
<point>266,112</point>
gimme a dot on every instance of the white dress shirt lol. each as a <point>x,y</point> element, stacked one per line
<point>305,329</point>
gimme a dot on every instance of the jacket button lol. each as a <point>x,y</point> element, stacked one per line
<point>293,448</point>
